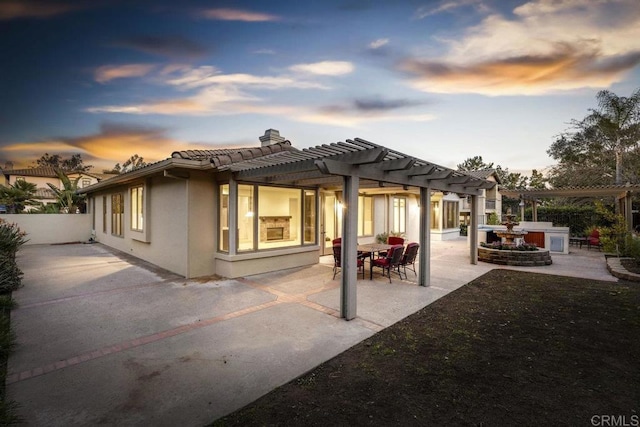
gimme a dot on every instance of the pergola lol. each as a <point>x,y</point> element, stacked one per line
<point>622,194</point>
<point>350,166</point>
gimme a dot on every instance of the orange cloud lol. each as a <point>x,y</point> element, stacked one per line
<point>543,46</point>
<point>114,143</point>
<point>17,9</point>
<point>238,15</point>
<point>111,72</point>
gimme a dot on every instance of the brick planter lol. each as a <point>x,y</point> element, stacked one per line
<point>524,258</point>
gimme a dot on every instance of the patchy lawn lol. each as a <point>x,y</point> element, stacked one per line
<point>508,348</point>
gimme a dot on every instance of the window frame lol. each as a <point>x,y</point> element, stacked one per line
<point>399,214</point>
<point>136,201</point>
<point>117,218</point>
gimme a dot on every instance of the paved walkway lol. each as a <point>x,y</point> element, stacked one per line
<point>107,339</point>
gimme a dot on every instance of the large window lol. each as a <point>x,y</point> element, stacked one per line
<point>224,217</point>
<point>365,216</point>
<point>279,217</point>
<point>137,210</point>
<point>309,212</point>
<point>268,217</point>
<point>451,216</point>
<point>400,214</point>
<point>435,216</point>
<point>117,214</point>
<point>104,214</point>
<point>245,217</point>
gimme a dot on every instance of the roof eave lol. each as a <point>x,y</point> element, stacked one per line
<point>153,169</point>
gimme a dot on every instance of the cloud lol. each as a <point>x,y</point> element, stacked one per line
<point>170,46</point>
<point>324,68</point>
<point>237,15</point>
<point>107,73</point>
<point>113,143</point>
<point>20,9</point>
<point>377,44</point>
<point>447,6</point>
<point>264,52</point>
<point>384,104</point>
<point>356,112</point>
<point>546,46</point>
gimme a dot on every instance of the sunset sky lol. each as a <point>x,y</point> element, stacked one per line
<point>439,80</point>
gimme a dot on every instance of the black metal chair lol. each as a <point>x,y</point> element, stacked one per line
<point>390,263</point>
<point>409,259</point>
<point>337,261</point>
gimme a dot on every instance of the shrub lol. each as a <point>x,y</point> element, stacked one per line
<point>494,219</point>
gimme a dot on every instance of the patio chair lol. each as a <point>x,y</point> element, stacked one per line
<point>336,241</point>
<point>409,259</point>
<point>392,240</point>
<point>390,262</point>
<point>337,260</point>
<point>594,239</point>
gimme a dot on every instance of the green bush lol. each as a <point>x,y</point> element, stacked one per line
<point>494,219</point>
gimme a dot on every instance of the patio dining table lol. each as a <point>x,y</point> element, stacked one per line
<point>371,249</point>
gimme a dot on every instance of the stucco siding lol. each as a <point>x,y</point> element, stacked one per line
<point>202,225</point>
<point>166,219</point>
<point>263,262</point>
<point>52,228</point>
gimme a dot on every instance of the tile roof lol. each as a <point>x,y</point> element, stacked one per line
<point>227,156</point>
<point>44,193</point>
<point>44,171</point>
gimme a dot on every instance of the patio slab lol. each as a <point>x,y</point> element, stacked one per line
<point>103,338</point>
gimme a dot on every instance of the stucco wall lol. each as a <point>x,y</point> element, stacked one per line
<point>202,225</point>
<point>48,229</point>
<point>166,245</point>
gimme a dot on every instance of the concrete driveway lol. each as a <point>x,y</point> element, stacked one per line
<point>107,339</point>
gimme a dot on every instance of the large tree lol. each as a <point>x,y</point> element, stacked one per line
<point>132,163</point>
<point>509,180</point>
<point>602,148</point>
<point>73,163</point>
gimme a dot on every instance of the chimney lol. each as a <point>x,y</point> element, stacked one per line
<point>271,136</point>
<point>8,166</point>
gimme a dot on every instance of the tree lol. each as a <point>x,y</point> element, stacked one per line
<point>17,196</point>
<point>474,164</point>
<point>134,162</point>
<point>68,198</point>
<point>509,180</point>
<point>602,148</point>
<point>73,163</point>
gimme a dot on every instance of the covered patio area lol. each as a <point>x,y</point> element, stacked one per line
<point>347,167</point>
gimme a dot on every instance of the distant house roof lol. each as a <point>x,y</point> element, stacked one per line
<point>44,193</point>
<point>484,174</point>
<point>43,171</point>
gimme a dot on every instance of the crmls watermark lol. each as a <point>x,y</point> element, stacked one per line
<point>615,421</point>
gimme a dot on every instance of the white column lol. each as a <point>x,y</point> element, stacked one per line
<point>424,254</point>
<point>349,262</point>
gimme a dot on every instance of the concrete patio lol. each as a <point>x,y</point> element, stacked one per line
<point>105,338</point>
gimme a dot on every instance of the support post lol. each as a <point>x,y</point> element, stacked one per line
<point>628,212</point>
<point>534,210</point>
<point>349,261</point>
<point>424,255</point>
<point>473,232</point>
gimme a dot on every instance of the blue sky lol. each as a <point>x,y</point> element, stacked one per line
<point>440,80</point>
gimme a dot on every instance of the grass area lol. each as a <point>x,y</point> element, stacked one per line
<point>508,348</point>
